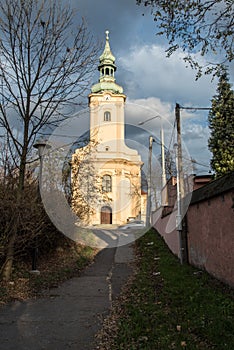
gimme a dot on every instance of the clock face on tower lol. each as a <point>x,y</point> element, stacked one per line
<point>107,97</point>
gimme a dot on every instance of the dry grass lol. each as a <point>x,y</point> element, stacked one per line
<point>55,267</point>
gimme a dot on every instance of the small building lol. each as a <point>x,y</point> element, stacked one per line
<point>201,180</point>
<point>106,174</point>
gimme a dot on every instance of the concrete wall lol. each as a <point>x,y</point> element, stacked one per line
<point>210,229</point>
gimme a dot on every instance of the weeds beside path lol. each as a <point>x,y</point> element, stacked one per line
<point>169,306</point>
<point>55,267</point>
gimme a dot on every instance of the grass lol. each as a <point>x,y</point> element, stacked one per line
<point>55,268</point>
<point>169,306</point>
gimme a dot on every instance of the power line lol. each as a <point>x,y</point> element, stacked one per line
<point>172,134</point>
<point>195,162</point>
<point>60,135</point>
<point>196,108</point>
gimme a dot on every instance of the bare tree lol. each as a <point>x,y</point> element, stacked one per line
<point>204,26</point>
<point>45,65</point>
<point>86,185</point>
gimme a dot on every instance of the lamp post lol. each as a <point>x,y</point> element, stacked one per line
<point>40,146</point>
<point>164,180</point>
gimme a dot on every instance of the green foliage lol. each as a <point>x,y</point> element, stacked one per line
<point>221,123</point>
<point>196,26</point>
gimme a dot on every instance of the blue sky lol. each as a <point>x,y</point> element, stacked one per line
<point>149,78</point>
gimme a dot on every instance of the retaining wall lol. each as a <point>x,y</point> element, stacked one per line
<point>209,229</point>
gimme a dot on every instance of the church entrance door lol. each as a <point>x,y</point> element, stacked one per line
<point>106,215</point>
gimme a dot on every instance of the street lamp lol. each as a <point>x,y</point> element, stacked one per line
<point>40,145</point>
<point>164,180</point>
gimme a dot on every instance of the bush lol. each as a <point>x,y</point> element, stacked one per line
<point>34,228</point>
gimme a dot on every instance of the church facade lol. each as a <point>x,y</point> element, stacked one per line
<point>106,174</point>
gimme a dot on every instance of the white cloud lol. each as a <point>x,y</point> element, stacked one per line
<point>142,109</point>
<point>147,72</point>
<point>195,136</point>
<point>195,131</point>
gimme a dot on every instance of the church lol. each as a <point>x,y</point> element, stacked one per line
<point>106,173</point>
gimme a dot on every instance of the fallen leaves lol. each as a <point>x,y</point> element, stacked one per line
<point>156,273</point>
<point>183,344</point>
<point>178,328</point>
<point>55,268</point>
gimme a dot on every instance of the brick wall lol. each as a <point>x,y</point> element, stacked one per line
<point>210,229</point>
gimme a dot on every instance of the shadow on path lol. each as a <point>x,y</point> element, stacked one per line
<point>69,316</point>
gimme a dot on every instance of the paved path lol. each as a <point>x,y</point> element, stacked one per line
<point>68,317</point>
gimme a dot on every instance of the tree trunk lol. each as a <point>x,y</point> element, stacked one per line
<point>22,170</point>
<point>7,266</point>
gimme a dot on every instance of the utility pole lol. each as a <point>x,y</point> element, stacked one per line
<point>164,199</point>
<point>148,206</point>
<point>179,148</point>
<point>180,184</point>
<point>179,214</point>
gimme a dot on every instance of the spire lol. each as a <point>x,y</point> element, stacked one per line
<point>107,70</point>
<point>107,57</point>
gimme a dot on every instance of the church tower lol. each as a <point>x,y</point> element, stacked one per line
<point>106,103</point>
<point>117,167</point>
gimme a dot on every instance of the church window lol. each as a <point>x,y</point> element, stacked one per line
<point>107,71</point>
<point>107,116</point>
<point>106,183</point>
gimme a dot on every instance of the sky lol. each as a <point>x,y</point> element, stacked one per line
<point>152,82</point>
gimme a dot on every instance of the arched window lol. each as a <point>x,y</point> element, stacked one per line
<point>106,183</point>
<point>107,116</point>
<point>107,71</point>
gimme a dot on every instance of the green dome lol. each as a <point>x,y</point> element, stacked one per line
<point>107,70</point>
<point>107,86</point>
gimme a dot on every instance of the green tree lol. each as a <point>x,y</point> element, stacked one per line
<point>221,123</point>
<point>204,26</point>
